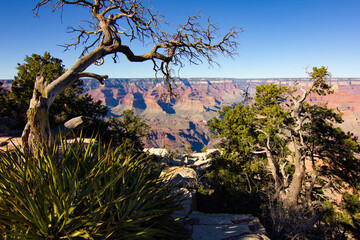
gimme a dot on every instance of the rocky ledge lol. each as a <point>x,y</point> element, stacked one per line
<point>206,226</point>
<point>224,226</point>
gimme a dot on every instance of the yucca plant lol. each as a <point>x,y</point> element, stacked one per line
<point>83,191</point>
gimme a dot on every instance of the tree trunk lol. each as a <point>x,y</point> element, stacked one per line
<point>37,128</point>
<point>273,169</point>
<point>291,196</point>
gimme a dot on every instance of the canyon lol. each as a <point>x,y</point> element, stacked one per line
<point>179,121</point>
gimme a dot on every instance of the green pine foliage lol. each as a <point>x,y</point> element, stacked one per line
<point>69,104</point>
<point>239,173</point>
<point>130,129</point>
<point>265,128</point>
<point>351,214</point>
<point>3,101</point>
<point>84,191</point>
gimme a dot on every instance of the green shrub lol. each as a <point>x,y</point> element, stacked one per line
<point>83,191</point>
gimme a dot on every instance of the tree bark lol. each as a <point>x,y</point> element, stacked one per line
<point>141,23</point>
<point>37,128</point>
<point>291,196</point>
<point>273,169</point>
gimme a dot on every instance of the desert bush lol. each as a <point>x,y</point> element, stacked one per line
<point>83,191</point>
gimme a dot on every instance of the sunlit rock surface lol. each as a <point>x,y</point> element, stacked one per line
<point>181,123</point>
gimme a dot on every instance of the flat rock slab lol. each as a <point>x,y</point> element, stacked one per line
<point>221,218</point>
<point>213,232</point>
<point>204,226</point>
<point>251,237</point>
<point>180,176</point>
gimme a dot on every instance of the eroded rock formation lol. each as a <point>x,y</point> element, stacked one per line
<point>181,123</point>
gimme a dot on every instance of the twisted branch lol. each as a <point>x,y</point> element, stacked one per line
<point>113,20</point>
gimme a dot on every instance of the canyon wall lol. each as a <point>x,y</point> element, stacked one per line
<point>181,122</point>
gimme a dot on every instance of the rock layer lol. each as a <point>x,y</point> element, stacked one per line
<point>181,122</point>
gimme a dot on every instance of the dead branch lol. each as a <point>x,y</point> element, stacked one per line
<point>114,20</point>
<point>100,78</point>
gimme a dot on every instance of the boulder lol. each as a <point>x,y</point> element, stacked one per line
<point>173,162</point>
<point>161,152</point>
<point>199,156</point>
<point>188,203</point>
<point>181,176</point>
<point>202,163</point>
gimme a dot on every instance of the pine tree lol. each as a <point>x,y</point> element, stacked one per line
<point>281,145</point>
<point>69,104</point>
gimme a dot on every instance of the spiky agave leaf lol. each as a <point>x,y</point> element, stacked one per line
<point>83,191</point>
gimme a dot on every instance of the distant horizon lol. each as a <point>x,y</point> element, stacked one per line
<point>280,38</point>
<point>225,78</point>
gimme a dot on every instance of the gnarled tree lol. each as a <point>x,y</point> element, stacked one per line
<point>111,22</point>
<point>289,148</point>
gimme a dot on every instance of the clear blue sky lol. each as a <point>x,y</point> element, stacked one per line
<point>281,38</point>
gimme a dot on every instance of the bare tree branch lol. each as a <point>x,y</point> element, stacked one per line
<point>113,22</point>
<point>116,19</point>
<point>100,78</point>
<point>258,152</point>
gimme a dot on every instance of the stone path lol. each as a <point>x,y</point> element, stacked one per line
<point>204,226</point>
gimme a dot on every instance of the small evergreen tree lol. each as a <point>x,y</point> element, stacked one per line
<point>69,104</point>
<point>281,146</point>
<point>129,129</point>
